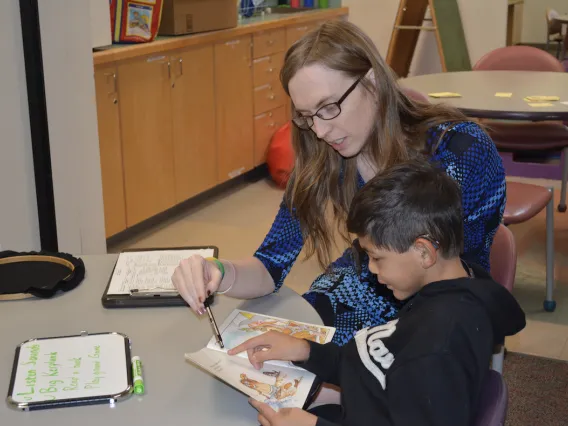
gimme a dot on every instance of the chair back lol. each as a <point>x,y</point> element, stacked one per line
<point>518,58</point>
<point>493,401</point>
<point>503,257</point>
<point>553,27</point>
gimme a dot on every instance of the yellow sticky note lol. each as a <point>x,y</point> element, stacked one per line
<point>503,94</point>
<point>540,104</point>
<point>444,95</point>
<point>541,98</point>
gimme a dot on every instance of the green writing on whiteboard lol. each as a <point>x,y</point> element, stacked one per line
<point>52,365</point>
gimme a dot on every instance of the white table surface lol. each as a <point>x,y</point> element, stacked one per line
<point>177,392</point>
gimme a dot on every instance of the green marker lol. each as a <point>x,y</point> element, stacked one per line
<point>137,375</point>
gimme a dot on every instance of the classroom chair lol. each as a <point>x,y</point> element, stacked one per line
<point>493,401</point>
<point>516,137</point>
<point>525,201</point>
<point>554,31</point>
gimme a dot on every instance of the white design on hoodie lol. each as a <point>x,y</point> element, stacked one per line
<point>369,344</point>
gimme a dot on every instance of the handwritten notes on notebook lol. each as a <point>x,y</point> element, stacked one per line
<point>70,368</point>
<point>149,270</point>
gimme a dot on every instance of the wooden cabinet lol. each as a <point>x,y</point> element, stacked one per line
<point>268,42</point>
<point>193,120</point>
<point>145,113</point>
<point>111,150</point>
<point>179,116</point>
<point>265,125</point>
<point>234,107</point>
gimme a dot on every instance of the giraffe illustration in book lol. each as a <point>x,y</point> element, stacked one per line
<point>281,390</point>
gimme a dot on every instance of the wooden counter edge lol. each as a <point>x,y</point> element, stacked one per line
<point>160,46</point>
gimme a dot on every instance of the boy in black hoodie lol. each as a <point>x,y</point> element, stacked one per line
<point>427,366</point>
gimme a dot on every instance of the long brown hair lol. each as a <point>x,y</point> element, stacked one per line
<point>324,182</point>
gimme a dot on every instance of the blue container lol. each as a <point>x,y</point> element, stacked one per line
<point>308,3</point>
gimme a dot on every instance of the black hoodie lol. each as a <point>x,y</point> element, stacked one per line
<point>426,367</point>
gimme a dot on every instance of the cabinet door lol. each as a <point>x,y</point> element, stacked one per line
<point>234,107</point>
<point>145,112</point>
<point>111,150</point>
<point>193,119</point>
<point>265,125</point>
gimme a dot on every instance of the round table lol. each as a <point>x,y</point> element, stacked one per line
<point>177,392</point>
<point>478,89</point>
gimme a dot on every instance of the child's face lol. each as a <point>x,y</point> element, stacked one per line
<point>402,273</point>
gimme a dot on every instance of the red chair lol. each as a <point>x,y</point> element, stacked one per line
<point>519,137</point>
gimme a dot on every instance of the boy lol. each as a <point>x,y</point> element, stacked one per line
<point>427,366</point>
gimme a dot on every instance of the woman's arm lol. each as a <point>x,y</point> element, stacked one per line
<point>470,157</point>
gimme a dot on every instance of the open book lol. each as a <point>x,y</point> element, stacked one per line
<point>280,383</point>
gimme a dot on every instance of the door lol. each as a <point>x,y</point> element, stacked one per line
<point>234,107</point>
<point>111,150</point>
<point>145,111</point>
<point>193,119</point>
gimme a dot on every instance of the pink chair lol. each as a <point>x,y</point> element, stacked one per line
<point>494,401</point>
<point>519,137</point>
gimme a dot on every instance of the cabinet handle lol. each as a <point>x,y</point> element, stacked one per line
<point>113,75</point>
<point>272,124</point>
<point>271,97</point>
<point>270,42</point>
<point>302,28</point>
<point>169,70</point>
<point>180,66</point>
<point>270,70</point>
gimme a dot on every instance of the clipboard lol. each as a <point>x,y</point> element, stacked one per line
<point>66,371</point>
<point>152,296</point>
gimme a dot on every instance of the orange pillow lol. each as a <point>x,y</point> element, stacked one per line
<point>280,156</point>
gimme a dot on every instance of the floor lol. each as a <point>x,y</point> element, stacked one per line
<point>238,220</point>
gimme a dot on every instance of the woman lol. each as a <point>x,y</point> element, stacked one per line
<point>352,121</point>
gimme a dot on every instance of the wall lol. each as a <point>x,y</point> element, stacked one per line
<point>100,23</point>
<point>534,18</point>
<point>72,117</point>
<point>19,229</point>
<point>377,19</point>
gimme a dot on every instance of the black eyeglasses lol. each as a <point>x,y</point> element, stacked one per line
<point>326,112</point>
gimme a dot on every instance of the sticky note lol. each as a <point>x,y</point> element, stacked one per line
<point>503,94</point>
<point>541,98</point>
<point>444,95</point>
<point>540,104</point>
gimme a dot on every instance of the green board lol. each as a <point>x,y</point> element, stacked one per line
<point>452,35</point>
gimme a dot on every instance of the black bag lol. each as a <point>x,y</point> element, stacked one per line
<point>39,274</point>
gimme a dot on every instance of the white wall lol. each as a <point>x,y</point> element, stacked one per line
<point>100,23</point>
<point>72,117</point>
<point>534,18</point>
<point>19,229</point>
<point>484,23</point>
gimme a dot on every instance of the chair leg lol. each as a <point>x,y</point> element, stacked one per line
<point>558,52</point>
<point>549,303</point>
<point>562,204</point>
<point>497,361</point>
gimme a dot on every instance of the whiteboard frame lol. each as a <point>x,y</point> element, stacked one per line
<point>71,402</point>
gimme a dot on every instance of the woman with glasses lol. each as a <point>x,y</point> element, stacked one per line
<point>352,121</point>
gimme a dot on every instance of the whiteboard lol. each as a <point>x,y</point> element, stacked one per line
<point>71,369</point>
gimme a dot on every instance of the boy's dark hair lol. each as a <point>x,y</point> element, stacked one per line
<point>409,200</point>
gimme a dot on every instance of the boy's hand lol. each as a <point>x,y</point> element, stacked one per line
<point>284,417</point>
<point>273,345</point>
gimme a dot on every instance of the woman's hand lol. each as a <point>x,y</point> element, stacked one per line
<point>273,345</point>
<point>284,417</point>
<point>195,279</point>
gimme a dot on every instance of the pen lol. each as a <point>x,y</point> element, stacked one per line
<point>207,304</point>
<point>137,375</point>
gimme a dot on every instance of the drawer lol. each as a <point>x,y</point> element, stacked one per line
<point>296,32</point>
<point>267,69</point>
<point>265,125</point>
<point>268,97</point>
<point>268,42</point>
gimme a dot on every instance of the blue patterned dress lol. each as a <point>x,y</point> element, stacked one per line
<point>349,300</point>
